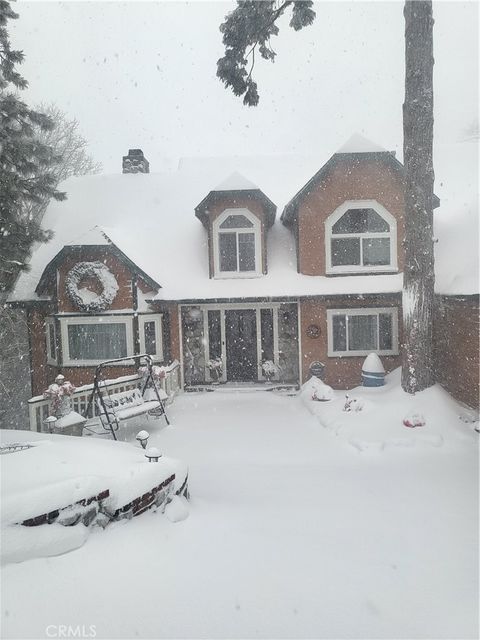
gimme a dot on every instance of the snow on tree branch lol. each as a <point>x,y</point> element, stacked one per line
<point>249,28</point>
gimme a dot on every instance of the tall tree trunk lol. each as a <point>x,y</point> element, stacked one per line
<point>419,275</point>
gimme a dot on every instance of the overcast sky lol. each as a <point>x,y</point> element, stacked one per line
<point>142,74</point>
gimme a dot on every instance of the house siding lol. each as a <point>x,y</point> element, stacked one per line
<point>456,338</point>
<point>348,179</point>
<point>340,372</point>
<point>41,372</point>
<point>125,301</point>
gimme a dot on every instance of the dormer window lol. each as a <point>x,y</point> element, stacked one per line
<point>237,244</point>
<point>361,236</point>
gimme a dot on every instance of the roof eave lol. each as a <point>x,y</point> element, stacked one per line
<point>201,210</point>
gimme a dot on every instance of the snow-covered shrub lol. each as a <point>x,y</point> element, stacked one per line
<point>315,389</point>
<point>353,404</point>
<point>414,420</point>
<point>322,393</point>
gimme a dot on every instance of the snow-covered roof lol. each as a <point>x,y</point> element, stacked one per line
<point>359,144</point>
<point>94,237</point>
<point>151,219</point>
<point>235,182</point>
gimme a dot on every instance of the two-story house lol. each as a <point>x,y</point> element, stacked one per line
<point>199,264</point>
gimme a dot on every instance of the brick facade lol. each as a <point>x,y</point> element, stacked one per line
<point>123,275</point>
<point>340,372</point>
<point>456,335</point>
<point>348,179</point>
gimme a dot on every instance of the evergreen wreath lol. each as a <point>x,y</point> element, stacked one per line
<point>96,270</point>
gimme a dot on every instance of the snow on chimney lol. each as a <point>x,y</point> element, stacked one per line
<point>135,162</point>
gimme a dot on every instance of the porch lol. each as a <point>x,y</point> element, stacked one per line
<point>240,343</point>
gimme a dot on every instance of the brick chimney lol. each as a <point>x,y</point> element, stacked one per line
<point>135,162</point>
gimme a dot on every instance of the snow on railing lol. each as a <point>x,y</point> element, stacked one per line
<point>39,406</point>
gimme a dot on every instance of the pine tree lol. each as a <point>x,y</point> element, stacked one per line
<point>26,164</point>
<point>248,28</point>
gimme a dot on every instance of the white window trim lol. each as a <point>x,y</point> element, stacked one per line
<point>158,320</point>
<point>110,319</point>
<point>48,323</point>
<point>392,311</point>
<point>337,214</point>
<point>256,229</point>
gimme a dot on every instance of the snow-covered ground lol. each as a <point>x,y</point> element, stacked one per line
<point>294,531</point>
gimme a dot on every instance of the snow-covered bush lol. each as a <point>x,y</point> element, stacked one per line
<point>414,420</point>
<point>353,404</point>
<point>315,389</point>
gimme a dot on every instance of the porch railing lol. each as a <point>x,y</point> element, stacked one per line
<point>38,406</point>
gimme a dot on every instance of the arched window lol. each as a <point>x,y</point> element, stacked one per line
<point>361,236</point>
<point>237,244</point>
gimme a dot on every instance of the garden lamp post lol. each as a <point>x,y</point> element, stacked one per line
<point>142,437</point>
<point>153,454</point>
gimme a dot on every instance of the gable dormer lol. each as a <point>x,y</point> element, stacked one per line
<point>349,217</point>
<point>237,216</point>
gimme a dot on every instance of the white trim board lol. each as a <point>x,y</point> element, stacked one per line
<point>373,311</point>
<point>256,230</point>
<point>350,269</point>
<point>66,321</point>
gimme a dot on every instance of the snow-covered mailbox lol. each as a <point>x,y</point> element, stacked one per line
<point>373,372</point>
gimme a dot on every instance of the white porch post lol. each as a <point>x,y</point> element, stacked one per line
<point>276,353</point>
<point>259,344</point>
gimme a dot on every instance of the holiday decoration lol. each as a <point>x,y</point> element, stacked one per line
<point>215,366</point>
<point>313,331</point>
<point>59,393</point>
<point>83,297</point>
<point>269,369</point>
<point>158,373</point>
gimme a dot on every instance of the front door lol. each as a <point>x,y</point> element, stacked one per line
<point>241,339</point>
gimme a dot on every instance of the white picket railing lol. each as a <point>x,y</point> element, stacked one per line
<point>39,406</point>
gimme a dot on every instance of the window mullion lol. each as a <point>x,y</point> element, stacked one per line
<point>237,236</point>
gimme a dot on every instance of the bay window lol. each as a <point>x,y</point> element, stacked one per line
<point>89,340</point>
